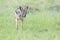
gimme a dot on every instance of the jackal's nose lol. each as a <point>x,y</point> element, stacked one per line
<point>24,14</point>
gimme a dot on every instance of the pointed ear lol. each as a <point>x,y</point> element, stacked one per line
<point>21,8</point>
<point>27,7</point>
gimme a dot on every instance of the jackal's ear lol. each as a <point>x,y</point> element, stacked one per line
<point>27,7</point>
<point>21,8</point>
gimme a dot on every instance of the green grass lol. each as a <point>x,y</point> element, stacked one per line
<point>43,25</point>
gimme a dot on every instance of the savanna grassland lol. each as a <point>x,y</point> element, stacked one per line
<point>38,25</point>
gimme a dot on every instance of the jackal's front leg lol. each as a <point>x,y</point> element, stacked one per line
<point>17,23</point>
<point>22,24</point>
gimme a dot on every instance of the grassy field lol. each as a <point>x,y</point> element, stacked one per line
<point>38,25</point>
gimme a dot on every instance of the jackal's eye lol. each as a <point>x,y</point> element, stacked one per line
<point>27,7</point>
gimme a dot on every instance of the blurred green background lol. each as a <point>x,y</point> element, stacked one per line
<point>38,25</point>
